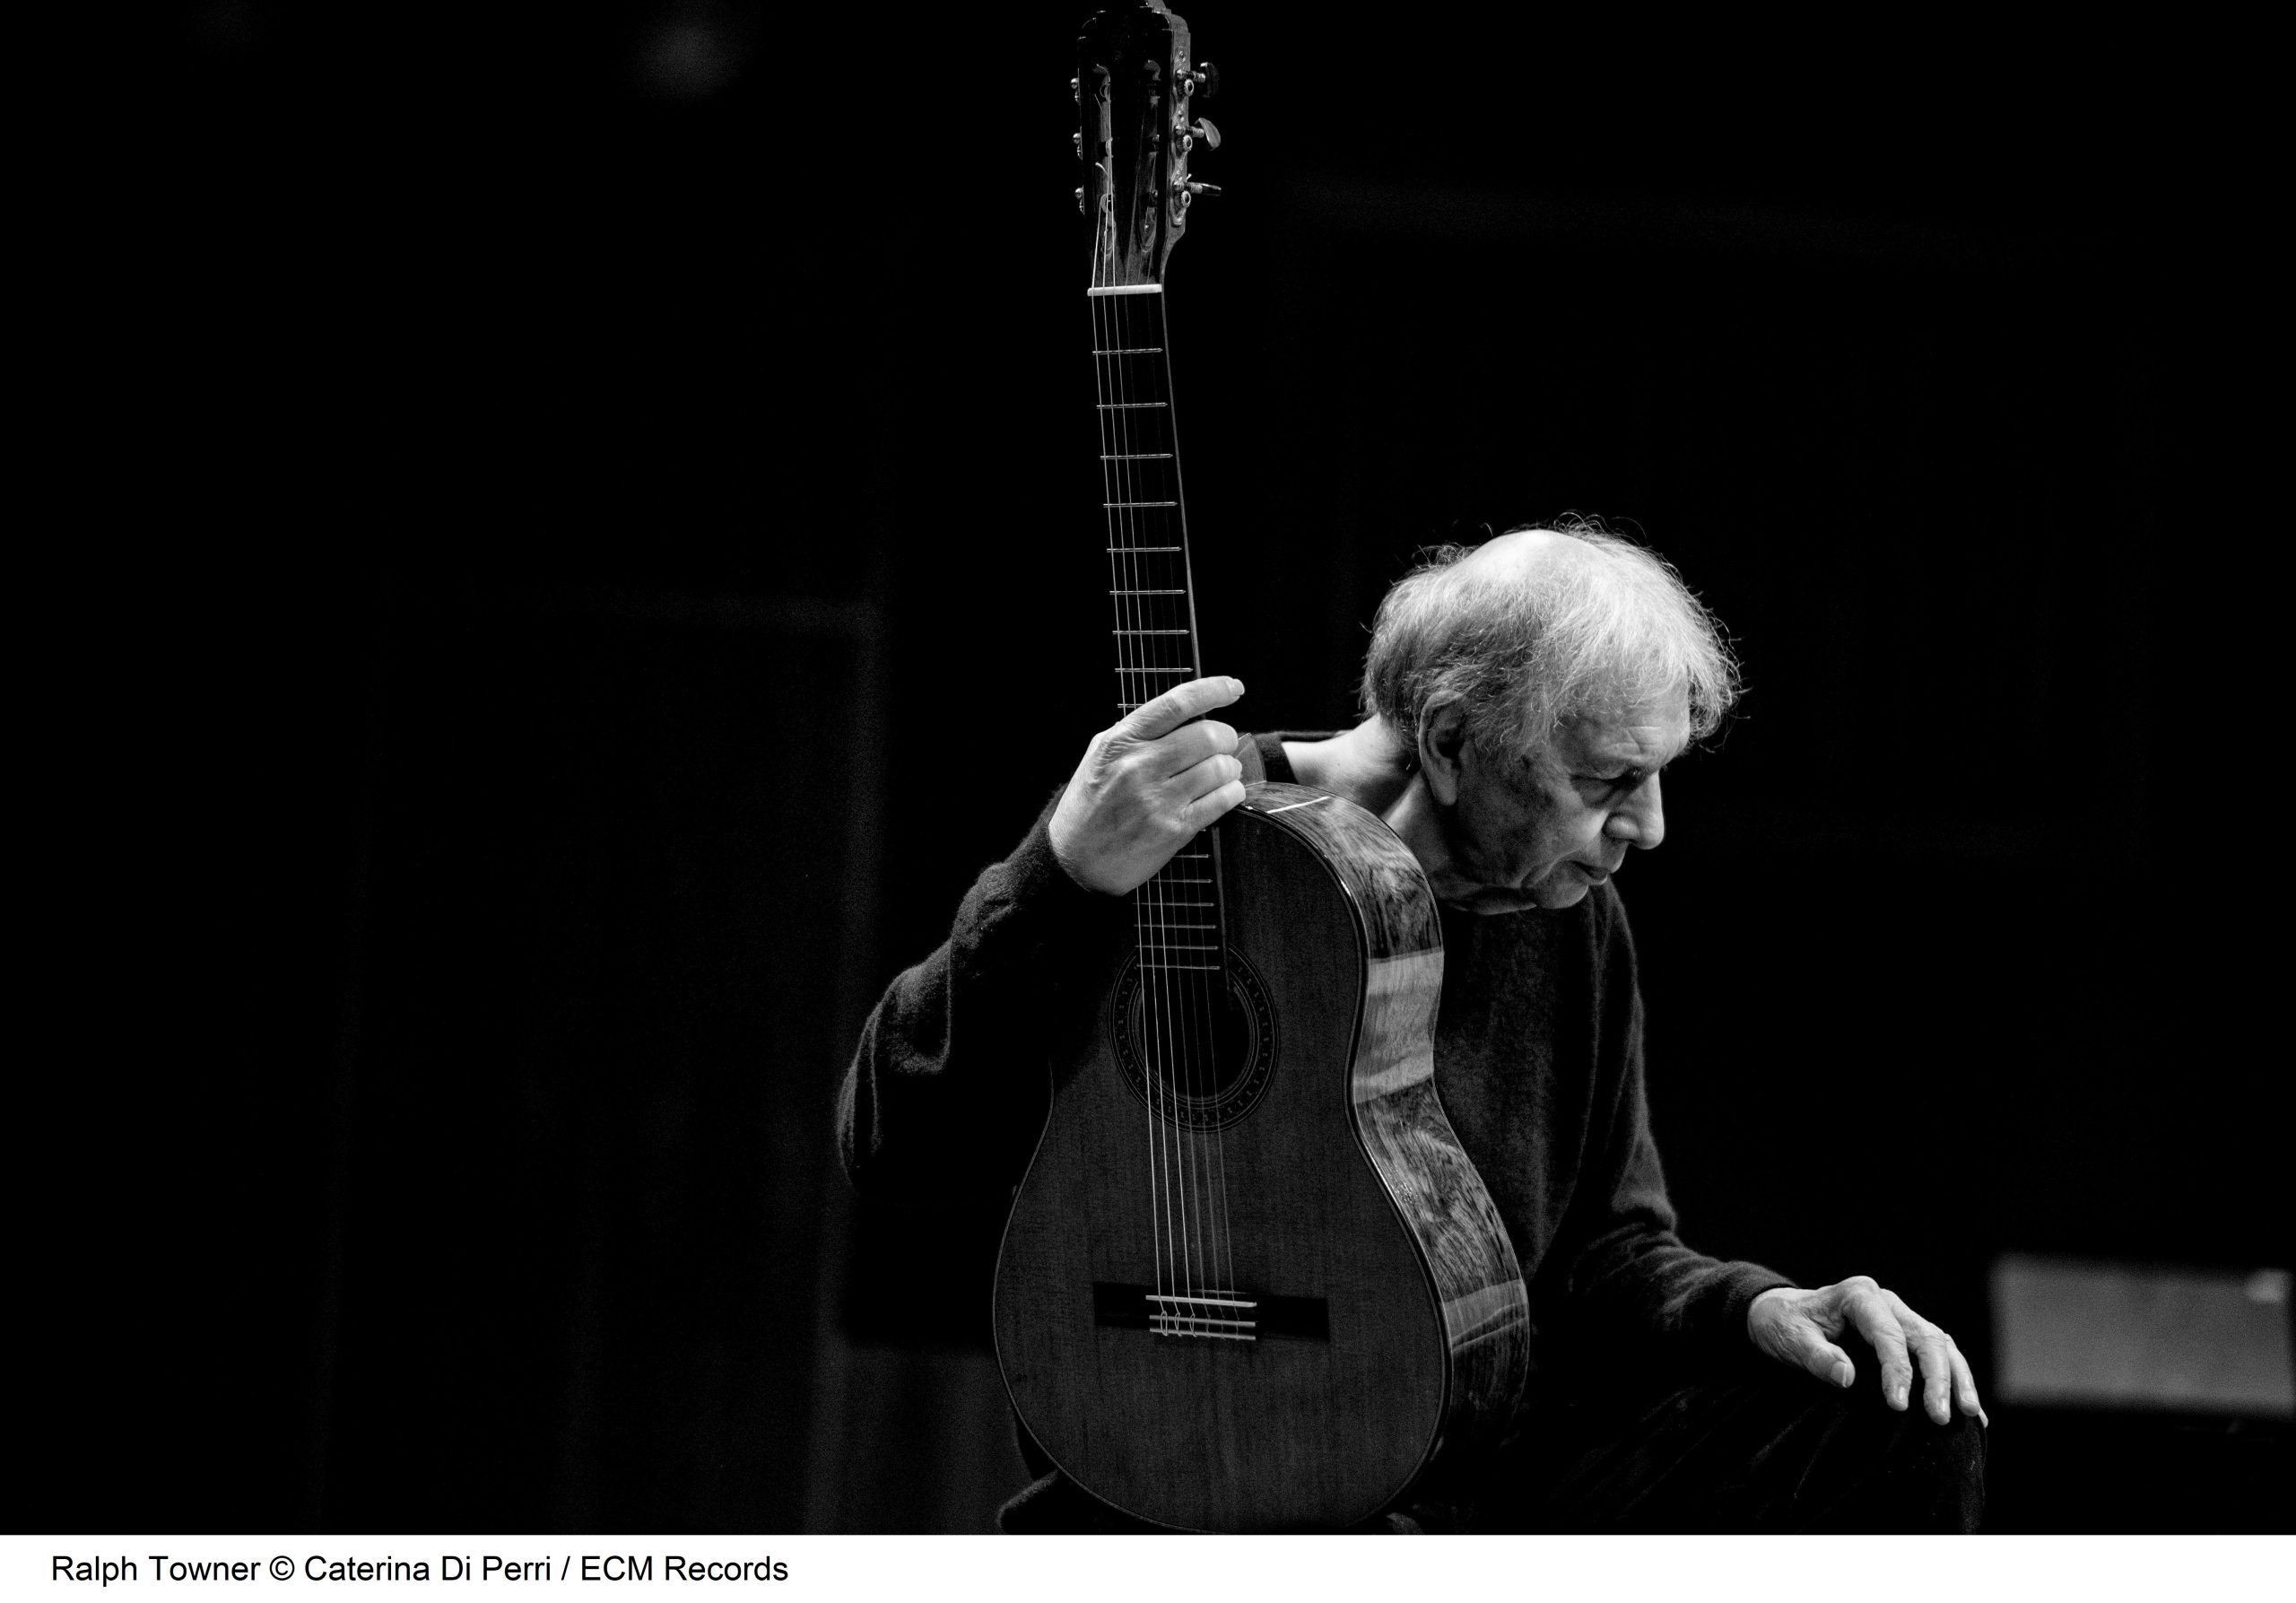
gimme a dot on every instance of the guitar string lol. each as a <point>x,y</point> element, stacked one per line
<point>1211,989</point>
<point>1160,572</point>
<point>1111,448</point>
<point>1193,984</point>
<point>1172,1022</point>
<point>1201,978</point>
<point>1157,1044</point>
<point>1153,1043</point>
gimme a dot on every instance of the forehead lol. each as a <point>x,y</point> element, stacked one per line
<point>1644,734</point>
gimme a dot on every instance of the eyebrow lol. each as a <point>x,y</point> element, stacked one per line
<point>1631,775</point>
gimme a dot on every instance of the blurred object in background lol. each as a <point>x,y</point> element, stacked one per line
<point>2071,1333</point>
<point>2128,1398</point>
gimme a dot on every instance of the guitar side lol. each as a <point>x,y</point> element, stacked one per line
<point>1389,1311</point>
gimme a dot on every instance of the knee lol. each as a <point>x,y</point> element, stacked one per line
<point>1932,1476</point>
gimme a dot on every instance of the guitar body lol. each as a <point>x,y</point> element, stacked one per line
<point>1361,1307</point>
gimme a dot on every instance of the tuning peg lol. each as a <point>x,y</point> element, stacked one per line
<point>1080,199</point>
<point>1205,80</point>
<point>1205,133</point>
<point>1196,189</point>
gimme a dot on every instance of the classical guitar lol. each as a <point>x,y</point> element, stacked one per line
<point>1250,1281</point>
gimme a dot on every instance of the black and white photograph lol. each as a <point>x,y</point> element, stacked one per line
<point>1085,770</point>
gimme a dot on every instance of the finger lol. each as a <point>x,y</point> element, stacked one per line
<point>1153,719</point>
<point>1797,1337</point>
<point>1828,1362</point>
<point>1934,1348</point>
<point>1208,776</point>
<point>1190,744</point>
<point>1207,809</point>
<point>1965,1387</point>
<point>1870,1311</point>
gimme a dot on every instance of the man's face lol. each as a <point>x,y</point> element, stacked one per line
<point>1543,830</point>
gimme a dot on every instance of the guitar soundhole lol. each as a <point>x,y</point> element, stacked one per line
<point>1198,1056</point>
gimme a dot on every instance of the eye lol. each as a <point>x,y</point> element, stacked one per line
<point>1617,784</point>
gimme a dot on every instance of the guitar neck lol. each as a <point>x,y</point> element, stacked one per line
<point>1151,600</point>
<point>1151,593</point>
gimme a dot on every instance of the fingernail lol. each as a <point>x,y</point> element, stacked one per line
<point>1843,1375</point>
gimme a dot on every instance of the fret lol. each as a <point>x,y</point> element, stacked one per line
<point>1150,551</point>
<point>1133,350</point>
<point>1147,592</point>
<point>1143,503</point>
<point>1133,406</point>
<point>1198,968</point>
<point>1139,456</point>
<point>1184,672</point>
<point>1147,632</point>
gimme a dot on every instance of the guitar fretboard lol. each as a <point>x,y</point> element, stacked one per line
<point>1151,604</point>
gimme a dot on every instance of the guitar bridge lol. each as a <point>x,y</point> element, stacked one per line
<point>1208,1314</point>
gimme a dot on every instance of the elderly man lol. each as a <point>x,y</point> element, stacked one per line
<point>1523,700</point>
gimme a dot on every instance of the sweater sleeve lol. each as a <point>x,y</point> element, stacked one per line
<point>1632,1281</point>
<point>949,1087</point>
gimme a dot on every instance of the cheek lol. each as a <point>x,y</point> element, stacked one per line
<point>1529,842</point>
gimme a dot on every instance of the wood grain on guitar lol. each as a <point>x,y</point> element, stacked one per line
<point>1251,1281</point>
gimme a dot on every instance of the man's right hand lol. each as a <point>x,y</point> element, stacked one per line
<point>1146,787</point>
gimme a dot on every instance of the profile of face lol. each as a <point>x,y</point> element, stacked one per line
<point>1541,829</point>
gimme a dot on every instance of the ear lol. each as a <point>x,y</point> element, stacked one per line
<point>1442,749</point>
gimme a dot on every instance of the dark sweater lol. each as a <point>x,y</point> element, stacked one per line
<point>1538,1062</point>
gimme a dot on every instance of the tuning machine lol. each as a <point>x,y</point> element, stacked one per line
<point>1202,132</point>
<point>1203,82</point>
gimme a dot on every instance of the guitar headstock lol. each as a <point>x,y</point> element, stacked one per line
<point>1135,90</point>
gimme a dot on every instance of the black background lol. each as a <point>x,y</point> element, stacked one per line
<point>573,544</point>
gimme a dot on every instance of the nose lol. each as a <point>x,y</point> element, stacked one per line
<point>1641,819</point>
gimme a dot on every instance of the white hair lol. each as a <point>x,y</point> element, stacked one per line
<point>1520,647</point>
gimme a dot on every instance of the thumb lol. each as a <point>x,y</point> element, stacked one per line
<point>1812,1351</point>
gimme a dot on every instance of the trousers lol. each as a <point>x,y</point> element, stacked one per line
<point>1755,1447</point>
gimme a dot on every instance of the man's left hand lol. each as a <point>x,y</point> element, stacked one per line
<point>1797,1328</point>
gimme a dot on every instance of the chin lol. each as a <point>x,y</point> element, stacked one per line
<point>1552,895</point>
